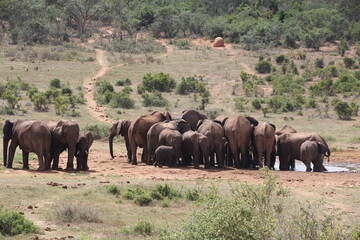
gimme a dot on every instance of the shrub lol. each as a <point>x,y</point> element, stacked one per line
<point>159,82</point>
<point>122,100</point>
<point>256,103</point>
<point>244,76</point>
<point>72,213</point>
<point>319,62</point>
<point>194,84</point>
<point>98,131</point>
<point>193,195</point>
<point>154,99</point>
<point>113,189</point>
<point>347,83</point>
<point>123,82</point>
<point>167,191</point>
<point>40,101</point>
<point>144,228</point>
<point>13,223</point>
<point>240,103</point>
<point>55,83</point>
<point>311,103</point>
<point>280,59</point>
<point>343,47</point>
<point>182,44</point>
<point>66,91</point>
<point>343,110</point>
<point>103,87</point>
<point>263,67</point>
<point>132,192</point>
<point>144,199</point>
<point>302,55</point>
<point>348,62</point>
<point>323,87</point>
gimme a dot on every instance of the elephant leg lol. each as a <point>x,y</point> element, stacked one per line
<point>292,164</point>
<point>41,162</point>
<point>55,165</point>
<point>196,156</point>
<point>85,166</point>
<point>230,158</point>
<point>25,157</point>
<point>244,157</point>
<point>12,149</point>
<point>212,158</point>
<point>284,163</point>
<point>260,157</point>
<point>235,154</point>
<point>70,162</point>
<point>219,158</point>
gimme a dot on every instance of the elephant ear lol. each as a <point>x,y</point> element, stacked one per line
<point>7,129</point>
<point>218,122</point>
<point>224,120</point>
<point>168,115</point>
<point>252,120</point>
<point>118,127</point>
<point>273,126</point>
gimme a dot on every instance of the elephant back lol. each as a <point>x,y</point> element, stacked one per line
<point>237,128</point>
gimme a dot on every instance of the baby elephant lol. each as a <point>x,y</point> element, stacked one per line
<point>83,145</point>
<point>313,152</point>
<point>165,155</point>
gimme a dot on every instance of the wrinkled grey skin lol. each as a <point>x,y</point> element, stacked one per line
<point>194,145</point>
<point>138,132</point>
<point>264,137</point>
<point>288,146</point>
<point>155,130</point>
<point>121,128</point>
<point>30,136</point>
<point>216,134</point>
<point>313,152</point>
<point>82,151</point>
<point>169,137</point>
<point>192,117</point>
<point>66,134</point>
<point>238,130</point>
<point>164,155</point>
<point>285,129</point>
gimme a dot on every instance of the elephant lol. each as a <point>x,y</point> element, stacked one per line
<point>238,130</point>
<point>192,117</point>
<point>196,144</point>
<point>30,136</point>
<point>285,129</point>
<point>288,146</point>
<point>155,130</point>
<point>138,132</point>
<point>121,127</point>
<point>169,137</point>
<point>65,135</point>
<point>313,152</point>
<point>216,139</point>
<point>164,155</point>
<point>265,144</point>
<point>82,150</point>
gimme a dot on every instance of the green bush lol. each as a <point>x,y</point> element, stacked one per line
<point>343,110</point>
<point>103,87</point>
<point>136,46</point>
<point>193,195</point>
<point>113,189</point>
<point>302,55</point>
<point>167,191</point>
<point>66,91</point>
<point>97,130</point>
<point>256,103</point>
<point>144,228</point>
<point>319,62</point>
<point>245,76</point>
<point>240,103</point>
<point>347,84</point>
<point>154,99</point>
<point>280,59</point>
<point>122,100</point>
<point>132,192</point>
<point>194,84</point>
<point>75,213</point>
<point>263,67</point>
<point>182,44</point>
<point>55,83</point>
<point>348,62</point>
<point>144,199</point>
<point>123,82</point>
<point>159,82</point>
<point>13,223</point>
<point>40,101</point>
<point>323,87</point>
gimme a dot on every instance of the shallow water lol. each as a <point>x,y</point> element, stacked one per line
<point>340,167</point>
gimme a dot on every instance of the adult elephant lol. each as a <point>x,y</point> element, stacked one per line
<point>288,146</point>
<point>138,132</point>
<point>192,117</point>
<point>238,130</point>
<point>265,144</point>
<point>65,135</point>
<point>285,129</point>
<point>313,152</point>
<point>82,150</point>
<point>194,145</point>
<point>155,130</point>
<point>216,139</point>
<point>31,136</point>
<point>170,137</point>
<point>121,127</point>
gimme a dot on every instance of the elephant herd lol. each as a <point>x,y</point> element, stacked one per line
<point>47,141</point>
<point>237,141</point>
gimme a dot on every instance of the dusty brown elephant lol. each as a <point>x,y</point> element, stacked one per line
<point>313,152</point>
<point>164,155</point>
<point>65,135</point>
<point>138,132</point>
<point>216,139</point>
<point>30,136</point>
<point>192,117</point>
<point>82,150</point>
<point>265,144</point>
<point>170,137</point>
<point>121,127</point>
<point>285,129</point>
<point>194,145</point>
<point>238,130</point>
<point>288,147</point>
<point>155,130</point>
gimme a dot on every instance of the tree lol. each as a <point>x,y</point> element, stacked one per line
<point>343,110</point>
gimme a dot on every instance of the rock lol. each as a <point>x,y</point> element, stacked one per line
<point>219,42</point>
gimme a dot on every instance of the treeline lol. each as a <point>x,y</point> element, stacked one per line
<point>254,23</point>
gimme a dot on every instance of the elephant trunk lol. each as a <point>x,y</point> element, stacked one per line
<point>5,149</point>
<point>111,138</point>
